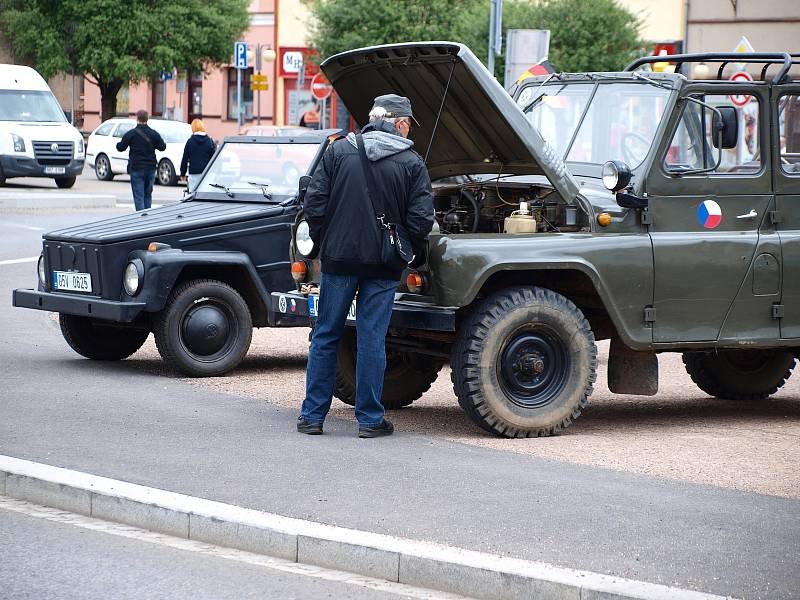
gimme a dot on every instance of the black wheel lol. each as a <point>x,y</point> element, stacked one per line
<point>524,363</point>
<point>205,328</point>
<point>166,173</point>
<point>102,168</point>
<point>2,178</point>
<point>407,375</point>
<point>65,182</point>
<point>739,374</point>
<point>100,340</point>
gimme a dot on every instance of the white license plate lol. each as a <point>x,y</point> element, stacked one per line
<point>70,281</point>
<point>55,170</point>
<point>313,307</point>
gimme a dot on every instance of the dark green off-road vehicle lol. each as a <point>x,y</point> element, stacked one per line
<point>651,209</point>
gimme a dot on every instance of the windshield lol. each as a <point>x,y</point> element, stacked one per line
<point>242,168</point>
<point>620,119</point>
<point>34,107</point>
<point>173,133</point>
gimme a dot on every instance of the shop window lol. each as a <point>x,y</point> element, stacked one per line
<point>247,95</point>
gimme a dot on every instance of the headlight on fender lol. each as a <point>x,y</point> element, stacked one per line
<point>302,240</point>
<point>132,277</point>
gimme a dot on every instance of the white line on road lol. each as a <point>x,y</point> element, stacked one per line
<point>277,564</point>
<point>130,205</point>
<point>18,226</point>
<point>16,261</point>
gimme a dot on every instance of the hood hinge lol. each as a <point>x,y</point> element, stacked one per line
<point>777,311</point>
<point>647,218</point>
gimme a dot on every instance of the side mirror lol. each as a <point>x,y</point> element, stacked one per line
<point>631,201</point>
<point>725,122</point>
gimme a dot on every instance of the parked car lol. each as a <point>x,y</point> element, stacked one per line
<point>197,274</point>
<point>36,140</point>
<point>103,156</point>
<point>625,206</point>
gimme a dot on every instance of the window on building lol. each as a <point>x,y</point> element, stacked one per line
<point>247,95</point>
<point>158,98</point>
<point>123,101</point>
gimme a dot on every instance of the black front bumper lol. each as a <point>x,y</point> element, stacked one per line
<point>13,166</point>
<point>407,313</point>
<point>86,306</point>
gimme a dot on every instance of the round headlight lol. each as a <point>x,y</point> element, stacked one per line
<point>42,274</point>
<point>132,278</point>
<point>616,175</point>
<point>302,239</point>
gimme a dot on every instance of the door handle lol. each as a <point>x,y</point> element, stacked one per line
<point>751,215</point>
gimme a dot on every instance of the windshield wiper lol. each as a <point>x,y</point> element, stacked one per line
<point>533,103</point>
<point>264,190</point>
<point>645,78</point>
<point>222,187</point>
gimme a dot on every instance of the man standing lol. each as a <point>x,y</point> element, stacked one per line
<point>343,224</point>
<point>143,142</point>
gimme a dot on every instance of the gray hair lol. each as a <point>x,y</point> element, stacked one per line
<point>378,113</point>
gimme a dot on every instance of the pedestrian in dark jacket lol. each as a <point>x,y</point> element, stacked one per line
<point>342,223</point>
<point>143,142</point>
<point>196,154</point>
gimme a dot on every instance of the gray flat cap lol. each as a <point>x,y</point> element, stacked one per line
<point>395,106</point>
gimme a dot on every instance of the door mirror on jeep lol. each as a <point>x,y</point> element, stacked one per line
<point>726,123</point>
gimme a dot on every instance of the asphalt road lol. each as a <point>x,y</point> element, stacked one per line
<point>128,422</point>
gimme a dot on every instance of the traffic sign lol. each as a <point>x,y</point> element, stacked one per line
<point>740,100</point>
<point>321,88</point>
<point>743,47</point>
<point>259,86</point>
<point>259,78</point>
<point>240,55</point>
<point>165,75</point>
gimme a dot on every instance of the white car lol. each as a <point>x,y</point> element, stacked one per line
<point>35,138</point>
<point>102,154</point>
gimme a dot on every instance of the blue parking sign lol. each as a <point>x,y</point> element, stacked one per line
<point>240,55</point>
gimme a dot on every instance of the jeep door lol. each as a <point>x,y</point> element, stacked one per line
<point>786,157</point>
<point>716,253</point>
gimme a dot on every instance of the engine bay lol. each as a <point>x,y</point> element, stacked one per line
<point>494,206</point>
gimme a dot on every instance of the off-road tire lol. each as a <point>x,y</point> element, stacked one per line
<point>65,182</point>
<point>407,377</point>
<point>165,174</point>
<point>104,172</point>
<point>231,320</point>
<point>98,340</point>
<point>524,322</point>
<point>739,374</point>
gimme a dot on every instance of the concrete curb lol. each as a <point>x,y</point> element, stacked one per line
<point>31,200</point>
<point>417,563</point>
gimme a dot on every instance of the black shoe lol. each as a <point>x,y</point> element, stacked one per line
<point>308,427</point>
<point>385,428</point>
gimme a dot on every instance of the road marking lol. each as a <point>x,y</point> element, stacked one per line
<point>16,261</point>
<point>130,205</point>
<point>66,518</point>
<point>18,226</point>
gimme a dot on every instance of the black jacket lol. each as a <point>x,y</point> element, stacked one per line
<point>340,215</point>
<point>196,153</point>
<point>143,142</point>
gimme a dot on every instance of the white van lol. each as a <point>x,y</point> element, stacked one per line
<point>35,138</point>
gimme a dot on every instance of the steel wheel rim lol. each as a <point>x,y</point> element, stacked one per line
<point>533,366</point>
<point>189,330</point>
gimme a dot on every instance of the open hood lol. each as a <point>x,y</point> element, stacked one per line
<point>480,130</point>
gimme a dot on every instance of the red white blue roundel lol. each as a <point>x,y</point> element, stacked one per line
<point>709,214</point>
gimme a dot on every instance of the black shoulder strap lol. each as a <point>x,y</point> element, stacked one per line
<point>144,135</point>
<point>371,193</point>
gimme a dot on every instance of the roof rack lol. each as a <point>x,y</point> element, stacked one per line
<point>785,59</point>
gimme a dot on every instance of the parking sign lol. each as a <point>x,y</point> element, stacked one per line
<point>240,55</point>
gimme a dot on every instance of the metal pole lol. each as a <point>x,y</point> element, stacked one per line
<point>239,96</point>
<point>492,25</point>
<point>258,70</point>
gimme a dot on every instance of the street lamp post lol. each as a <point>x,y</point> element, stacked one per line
<point>262,53</point>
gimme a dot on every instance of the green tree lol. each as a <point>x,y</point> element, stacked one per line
<point>340,25</point>
<point>119,41</point>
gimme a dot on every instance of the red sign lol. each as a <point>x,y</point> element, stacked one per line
<point>740,100</point>
<point>321,88</point>
<point>291,60</point>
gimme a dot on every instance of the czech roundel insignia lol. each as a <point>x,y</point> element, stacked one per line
<point>709,214</point>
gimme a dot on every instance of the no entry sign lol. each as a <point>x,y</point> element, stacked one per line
<point>321,88</point>
<point>740,100</point>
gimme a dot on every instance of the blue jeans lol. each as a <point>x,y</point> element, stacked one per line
<point>142,188</point>
<point>373,311</point>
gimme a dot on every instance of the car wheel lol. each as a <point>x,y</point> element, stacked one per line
<point>406,378</point>
<point>166,173</point>
<point>739,374</point>
<point>100,340</point>
<point>524,363</point>
<point>205,328</point>
<point>102,168</point>
<point>65,182</point>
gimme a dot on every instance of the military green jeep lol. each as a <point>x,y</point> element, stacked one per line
<point>651,209</point>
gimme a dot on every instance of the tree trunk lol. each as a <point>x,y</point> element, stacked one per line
<point>108,98</point>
